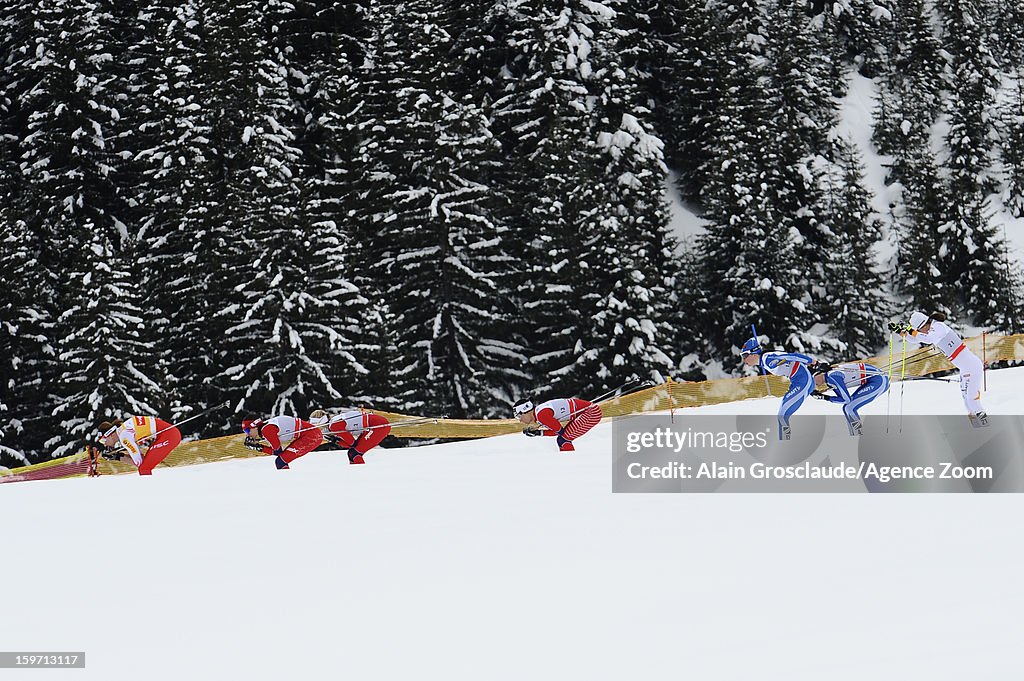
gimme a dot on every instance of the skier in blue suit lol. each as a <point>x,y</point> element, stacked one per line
<point>791,365</point>
<point>865,381</point>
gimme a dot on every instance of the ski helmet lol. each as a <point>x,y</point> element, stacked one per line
<point>751,347</point>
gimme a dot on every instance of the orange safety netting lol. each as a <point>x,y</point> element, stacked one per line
<point>664,397</point>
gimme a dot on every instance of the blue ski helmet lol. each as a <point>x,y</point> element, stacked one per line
<point>751,347</point>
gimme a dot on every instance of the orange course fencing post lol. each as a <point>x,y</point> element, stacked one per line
<point>672,400</point>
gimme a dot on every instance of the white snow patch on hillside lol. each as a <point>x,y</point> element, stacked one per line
<point>684,222</point>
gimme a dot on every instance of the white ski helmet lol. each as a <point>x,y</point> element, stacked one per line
<point>918,319</point>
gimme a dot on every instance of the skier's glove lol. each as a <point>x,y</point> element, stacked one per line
<point>254,444</point>
<point>333,440</point>
<point>112,455</point>
<point>899,327</point>
<point>820,396</point>
<point>820,367</point>
<point>147,443</point>
<point>531,432</point>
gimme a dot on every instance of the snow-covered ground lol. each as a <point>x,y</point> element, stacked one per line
<point>504,559</point>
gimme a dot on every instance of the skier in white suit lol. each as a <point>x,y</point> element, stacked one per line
<point>933,330</point>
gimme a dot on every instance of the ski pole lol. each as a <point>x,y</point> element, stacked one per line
<point>903,375</point>
<point>767,385</point>
<point>916,359</point>
<point>622,390</point>
<point>410,422</point>
<point>399,424</point>
<point>194,416</point>
<point>604,398</point>
<point>888,399</point>
<point>175,425</point>
<point>932,378</point>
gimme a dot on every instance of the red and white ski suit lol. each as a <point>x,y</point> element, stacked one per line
<point>133,434</point>
<point>302,437</point>
<point>359,430</point>
<point>580,416</point>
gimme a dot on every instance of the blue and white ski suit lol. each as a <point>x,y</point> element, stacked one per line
<point>855,386</point>
<point>791,365</point>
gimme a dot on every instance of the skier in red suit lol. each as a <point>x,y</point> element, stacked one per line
<point>579,417</point>
<point>146,439</point>
<point>359,431</point>
<point>302,437</point>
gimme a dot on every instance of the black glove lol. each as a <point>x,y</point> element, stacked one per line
<point>254,444</point>
<point>531,432</point>
<point>112,455</point>
<point>820,367</point>
<point>333,439</point>
<point>820,396</point>
<point>899,327</point>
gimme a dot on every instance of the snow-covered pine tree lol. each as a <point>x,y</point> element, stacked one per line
<point>751,270</point>
<point>683,62</point>
<point>910,90</point>
<point>574,122</point>
<point>440,229</point>
<point>978,261</point>
<point>67,164</point>
<point>1011,119</point>
<point>21,340</point>
<point>278,331</point>
<point>803,87</point>
<point>862,27</point>
<point>910,101</point>
<point>27,281</point>
<point>1007,39</point>
<point>922,247</point>
<point>857,304</point>
<point>623,207</point>
<point>166,122</point>
<point>11,292</point>
<point>327,46</point>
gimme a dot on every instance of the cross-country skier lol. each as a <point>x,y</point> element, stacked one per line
<point>791,365</point>
<point>578,415</point>
<point>302,438</point>
<point>932,329</point>
<point>146,439</point>
<point>359,431</point>
<point>855,385</point>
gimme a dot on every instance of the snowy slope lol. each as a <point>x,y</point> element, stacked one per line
<point>503,559</point>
